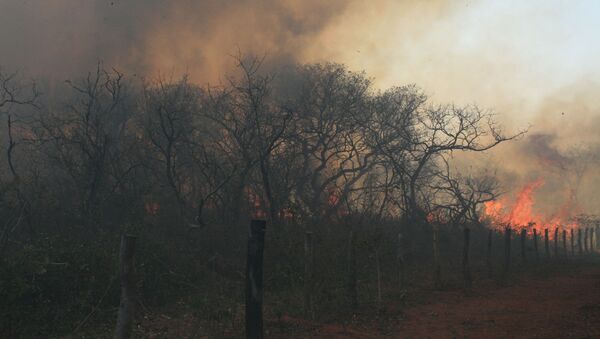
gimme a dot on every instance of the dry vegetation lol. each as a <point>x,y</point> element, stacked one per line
<point>311,148</point>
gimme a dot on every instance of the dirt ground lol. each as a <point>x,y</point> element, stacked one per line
<point>560,302</point>
<point>560,305</point>
<point>566,306</point>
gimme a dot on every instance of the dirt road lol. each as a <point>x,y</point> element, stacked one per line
<point>562,306</point>
<point>564,303</point>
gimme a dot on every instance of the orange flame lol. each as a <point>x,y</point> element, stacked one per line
<point>520,213</point>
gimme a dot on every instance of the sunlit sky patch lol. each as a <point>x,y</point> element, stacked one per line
<point>499,53</point>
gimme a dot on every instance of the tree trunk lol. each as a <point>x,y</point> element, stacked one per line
<point>308,275</point>
<point>127,304</point>
<point>585,241</point>
<point>264,170</point>
<point>466,270</point>
<point>254,279</point>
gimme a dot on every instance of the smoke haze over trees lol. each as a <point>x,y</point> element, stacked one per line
<point>503,57</point>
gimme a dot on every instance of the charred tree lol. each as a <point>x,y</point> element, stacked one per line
<point>254,279</point>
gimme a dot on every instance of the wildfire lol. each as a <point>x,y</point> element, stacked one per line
<point>520,213</point>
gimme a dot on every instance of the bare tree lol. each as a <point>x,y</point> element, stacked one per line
<point>461,197</point>
<point>82,136</point>
<point>13,94</point>
<point>393,131</point>
<point>329,138</point>
<point>167,110</point>
<point>252,124</point>
<point>421,135</point>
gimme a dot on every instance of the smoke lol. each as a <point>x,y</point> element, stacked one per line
<point>531,63</point>
<point>539,146</point>
<point>66,37</point>
<point>562,148</point>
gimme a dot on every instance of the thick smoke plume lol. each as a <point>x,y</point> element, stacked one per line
<point>63,37</point>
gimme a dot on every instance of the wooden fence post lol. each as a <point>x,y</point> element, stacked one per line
<point>556,242</point>
<point>400,261</point>
<point>579,241</point>
<point>523,245</point>
<point>378,271</point>
<point>507,240</point>
<point>437,269</point>
<point>564,234</point>
<point>546,243</point>
<point>309,260</point>
<point>572,242</point>
<point>254,279</point>
<point>586,240</point>
<point>352,285</point>
<point>489,253</point>
<point>535,244</point>
<point>466,270</point>
<point>127,304</point>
